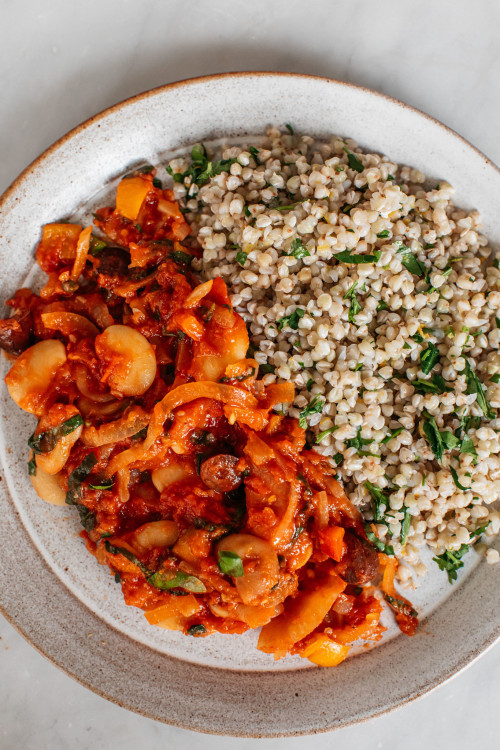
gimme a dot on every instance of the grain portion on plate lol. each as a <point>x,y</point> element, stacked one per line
<point>395,359</point>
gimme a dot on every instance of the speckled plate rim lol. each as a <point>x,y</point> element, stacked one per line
<point>17,597</point>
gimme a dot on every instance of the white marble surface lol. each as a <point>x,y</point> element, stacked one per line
<point>61,62</point>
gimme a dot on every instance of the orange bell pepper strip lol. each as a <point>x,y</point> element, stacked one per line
<point>324,652</point>
<point>406,616</point>
<point>131,194</point>
<point>301,616</point>
<point>82,250</point>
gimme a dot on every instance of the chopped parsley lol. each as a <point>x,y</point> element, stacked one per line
<point>382,306</point>
<point>411,262</point>
<point>162,580</point>
<point>457,482</point>
<point>178,256</point>
<point>298,250</point>
<point>353,161</point>
<point>96,245</point>
<point>358,442</point>
<point>289,128</point>
<point>322,435</point>
<point>451,561</point>
<point>47,441</point>
<point>292,321</point>
<point>266,369</point>
<point>392,434</point>
<point>474,385</point>
<point>241,257</point>
<point>315,407</point>
<point>437,384</point>
<point>382,235</point>
<point>378,543</point>
<point>406,525</point>
<point>75,479</point>
<point>380,501</point>
<point>197,629</point>
<point>429,358</point>
<point>355,306</point>
<point>201,169</point>
<point>433,437</point>
<point>255,153</point>
<point>230,563</point>
<point>347,257</point>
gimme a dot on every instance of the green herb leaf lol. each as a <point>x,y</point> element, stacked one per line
<point>358,441</point>
<point>96,245</point>
<point>162,580</point>
<point>405,526</point>
<point>291,320</point>
<point>289,207</point>
<point>309,384</point>
<point>178,256</point>
<point>474,385</point>
<point>382,306</point>
<point>241,257</point>
<point>450,441</point>
<point>411,262</point>
<point>479,531</point>
<point>322,435</point>
<point>230,563</point>
<point>298,250</point>
<point>382,235</point>
<point>75,479</point>
<point>47,441</point>
<point>298,531</point>
<point>437,384</point>
<point>433,437</point>
<point>429,358</point>
<point>400,606</point>
<point>201,169</point>
<point>495,378</point>
<point>380,501</point>
<point>355,306</point>
<point>457,482</point>
<point>255,153</point>
<point>32,467</point>
<point>392,434</point>
<point>315,407</point>
<point>347,257</point>
<point>468,446</point>
<point>289,128</point>
<point>198,629</point>
<point>266,369</point>
<point>353,161</point>
<point>378,543</point>
<point>106,486</point>
<point>129,556</point>
<point>451,561</point>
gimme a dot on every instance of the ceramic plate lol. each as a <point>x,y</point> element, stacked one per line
<point>52,589</point>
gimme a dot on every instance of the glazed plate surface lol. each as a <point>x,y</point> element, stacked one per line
<point>53,590</point>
